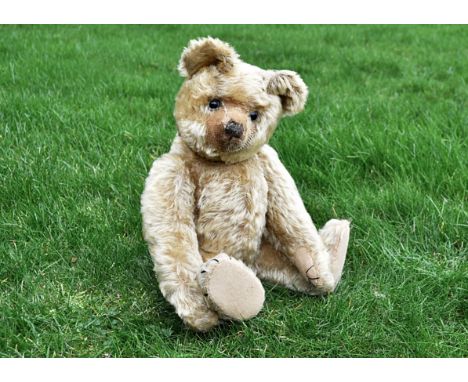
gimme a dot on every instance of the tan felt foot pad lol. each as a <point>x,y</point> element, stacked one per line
<point>335,235</point>
<point>234,290</point>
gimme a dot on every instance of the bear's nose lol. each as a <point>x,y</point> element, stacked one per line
<point>234,129</point>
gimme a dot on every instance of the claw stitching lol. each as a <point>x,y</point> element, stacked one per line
<point>311,278</point>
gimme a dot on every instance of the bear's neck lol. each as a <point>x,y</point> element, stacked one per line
<point>181,148</point>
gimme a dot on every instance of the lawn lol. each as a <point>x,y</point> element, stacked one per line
<point>84,110</point>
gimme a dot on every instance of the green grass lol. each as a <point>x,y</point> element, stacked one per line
<point>84,110</point>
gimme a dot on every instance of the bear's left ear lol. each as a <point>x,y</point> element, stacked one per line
<point>205,52</point>
<point>291,89</point>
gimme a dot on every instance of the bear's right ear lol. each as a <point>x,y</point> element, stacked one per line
<point>205,52</point>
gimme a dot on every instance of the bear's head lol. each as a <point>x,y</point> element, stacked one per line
<point>227,109</point>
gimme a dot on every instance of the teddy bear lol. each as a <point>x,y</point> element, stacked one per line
<point>220,211</point>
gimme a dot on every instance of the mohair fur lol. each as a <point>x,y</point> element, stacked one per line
<point>215,194</point>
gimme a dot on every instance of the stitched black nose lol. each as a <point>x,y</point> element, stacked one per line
<point>234,129</point>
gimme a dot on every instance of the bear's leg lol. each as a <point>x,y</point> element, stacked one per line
<point>231,288</point>
<point>272,265</point>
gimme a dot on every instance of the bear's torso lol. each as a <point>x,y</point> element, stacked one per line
<point>230,207</point>
<point>230,203</point>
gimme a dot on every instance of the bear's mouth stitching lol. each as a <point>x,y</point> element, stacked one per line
<point>234,144</point>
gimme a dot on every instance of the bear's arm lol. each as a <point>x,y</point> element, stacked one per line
<point>167,207</point>
<point>289,227</point>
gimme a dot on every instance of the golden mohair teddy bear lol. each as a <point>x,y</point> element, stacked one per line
<point>220,211</point>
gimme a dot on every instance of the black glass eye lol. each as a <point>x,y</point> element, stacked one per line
<point>214,104</point>
<point>253,115</point>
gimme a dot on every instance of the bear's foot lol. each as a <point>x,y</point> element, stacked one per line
<point>231,288</point>
<point>335,235</point>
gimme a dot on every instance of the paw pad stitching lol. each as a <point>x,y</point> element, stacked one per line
<point>311,278</point>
